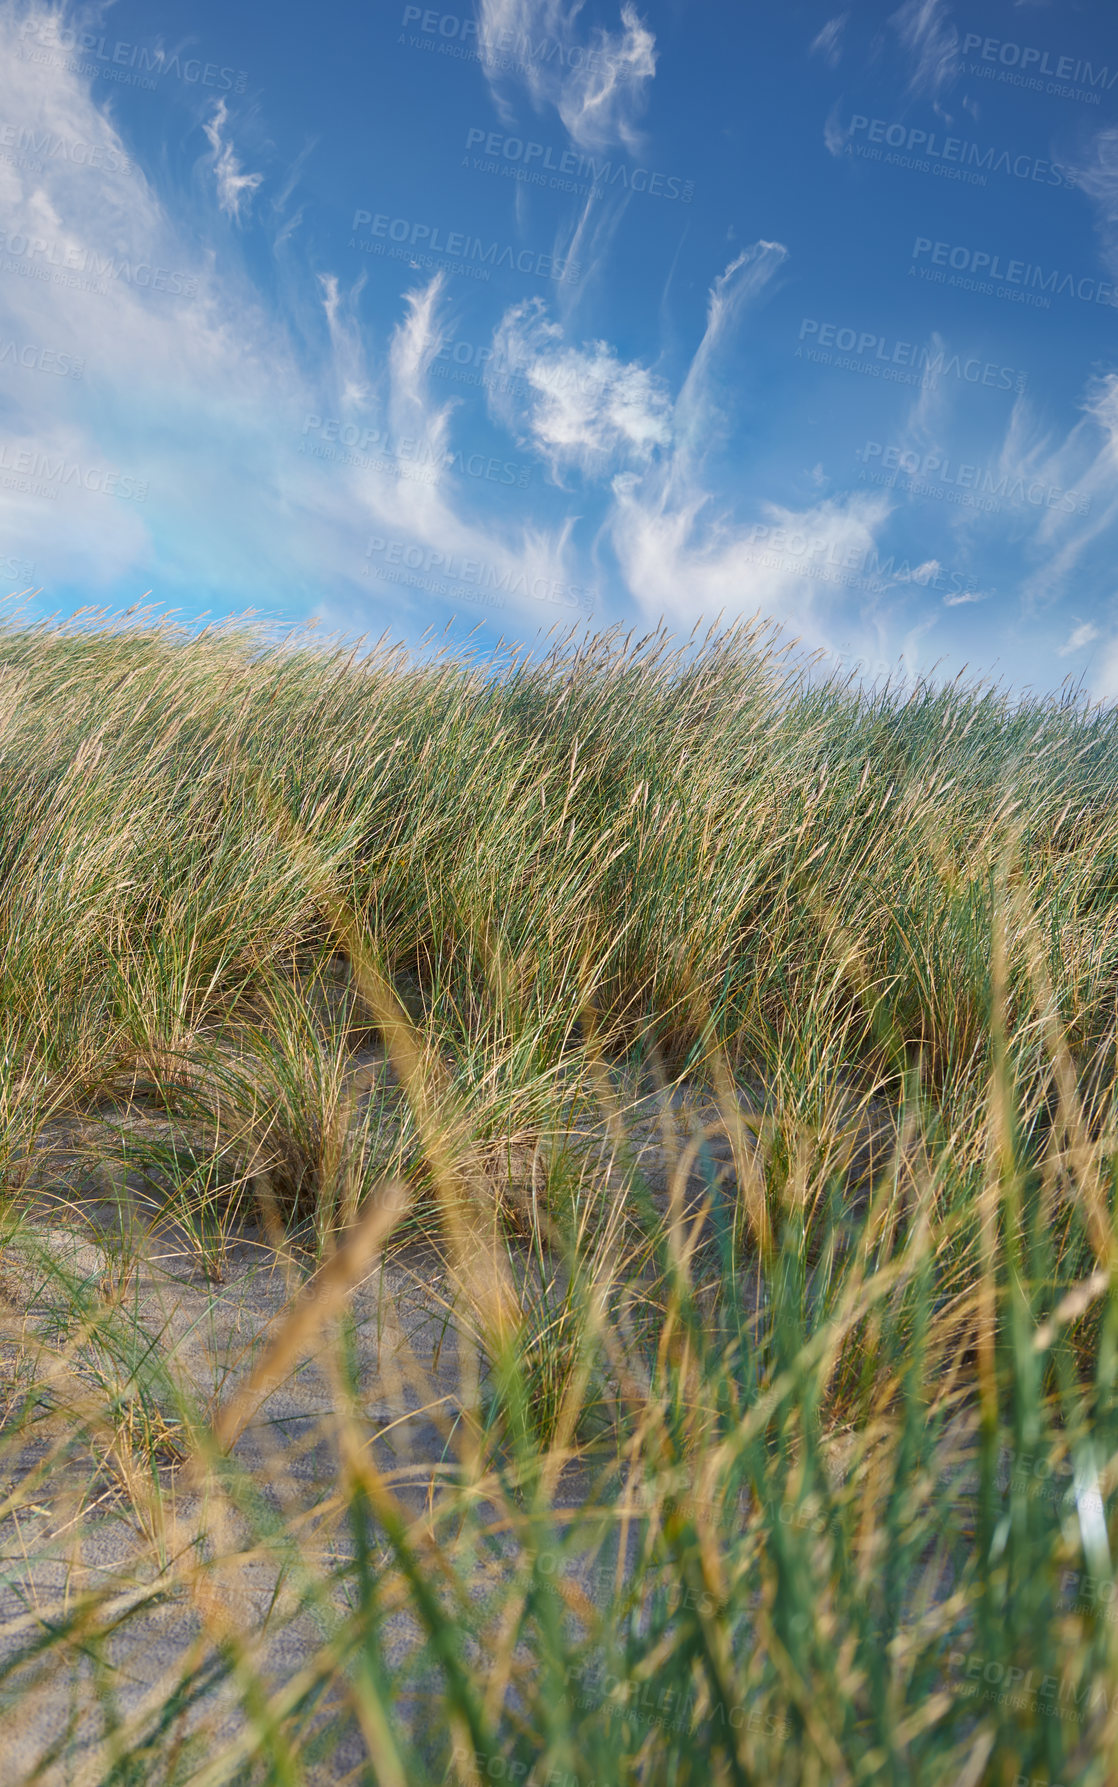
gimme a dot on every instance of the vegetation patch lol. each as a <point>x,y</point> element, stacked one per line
<point>558,1217</point>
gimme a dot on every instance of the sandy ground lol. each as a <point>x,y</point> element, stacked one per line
<point>61,1538</point>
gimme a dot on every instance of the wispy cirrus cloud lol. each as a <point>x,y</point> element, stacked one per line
<point>599,89</point>
<point>1103,673</point>
<point>427,516</point>
<point>1096,174</point>
<point>680,555</point>
<point>680,558</point>
<point>1062,503</point>
<point>354,382</point>
<point>932,43</point>
<point>1086,460</point>
<point>835,133</point>
<point>233,185</point>
<point>828,42</point>
<point>699,413</point>
<point>287,222</point>
<point>201,391</point>
<point>1058,491</point>
<point>1079,639</point>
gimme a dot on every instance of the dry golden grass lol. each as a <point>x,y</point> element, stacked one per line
<point>559,1217</point>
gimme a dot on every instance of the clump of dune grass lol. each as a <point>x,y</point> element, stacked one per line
<point>789,1457</point>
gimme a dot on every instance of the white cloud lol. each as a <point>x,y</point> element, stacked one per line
<point>681,558</point>
<point>294,173</point>
<point>828,43</point>
<point>932,42</point>
<point>280,202</point>
<point>699,414</point>
<point>1083,636</point>
<point>585,408</point>
<point>1059,501</point>
<point>353,379</point>
<point>201,390</point>
<point>1059,494</point>
<point>1085,463</point>
<point>288,227</point>
<point>425,512</point>
<point>1101,677</point>
<point>1097,175</point>
<point>598,89</point>
<point>835,134</point>
<point>232,184</point>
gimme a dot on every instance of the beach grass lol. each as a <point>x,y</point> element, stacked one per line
<point>805,1476</point>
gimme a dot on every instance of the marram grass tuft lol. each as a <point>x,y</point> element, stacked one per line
<point>558,1217</point>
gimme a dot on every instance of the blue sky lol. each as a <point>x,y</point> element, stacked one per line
<point>534,313</point>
